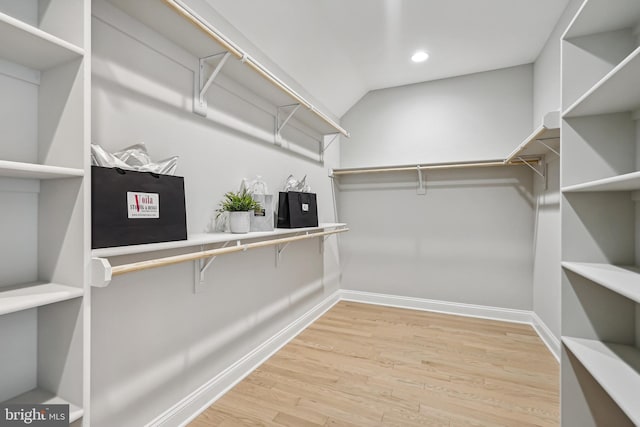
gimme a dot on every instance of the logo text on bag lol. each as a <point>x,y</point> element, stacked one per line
<point>143,205</point>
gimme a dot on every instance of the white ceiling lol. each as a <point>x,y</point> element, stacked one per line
<point>338,50</point>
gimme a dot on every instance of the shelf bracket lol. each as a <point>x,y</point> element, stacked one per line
<point>280,126</point>
<point>543,175</point>
<point>541,141</point>
<point>199,101</point>
<point>281,248</point>
<point>201,266</point>
<point>421,189</point>
<point>324,145</point>
<point>335,136</point>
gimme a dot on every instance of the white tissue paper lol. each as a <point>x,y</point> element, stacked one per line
<point>134,158</point>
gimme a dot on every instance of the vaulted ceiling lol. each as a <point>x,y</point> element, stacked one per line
<point>341,49</point>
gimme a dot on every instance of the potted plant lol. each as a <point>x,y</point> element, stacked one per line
<point>239,205</point>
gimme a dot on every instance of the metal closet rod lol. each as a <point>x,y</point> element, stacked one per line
<point>229,45</point>
<point>432,166</point>
<point>176,259</point>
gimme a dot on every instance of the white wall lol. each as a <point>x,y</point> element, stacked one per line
<point>153,339</point>
<point>473,117</point>
<point>546,98</point>
<point>469,239</point>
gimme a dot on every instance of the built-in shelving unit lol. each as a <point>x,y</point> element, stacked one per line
<point>191,29</point>
<point>43,159</point>
<point>600,174</point>
<point>615,367</point>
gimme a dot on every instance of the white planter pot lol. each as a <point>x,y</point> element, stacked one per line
<point>240,222</point>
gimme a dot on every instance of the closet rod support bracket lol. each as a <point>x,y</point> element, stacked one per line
<point>421,191</point>
<point>100,272</point>
<point>202,85</point>
<point>200,268</point>
<point>541,141</point>
<point>281,247</point>
<point>544,175</point>
<point>326,145</point>
<point>280,126</point>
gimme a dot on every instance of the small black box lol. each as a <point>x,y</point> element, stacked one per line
<point>296,210</point>
<point>131,208</point>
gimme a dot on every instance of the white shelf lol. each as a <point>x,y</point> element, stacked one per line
<point>623,280</point>
<point>40,397</point>
<point>32,47</point>
<point>206,239</point>
<point>548,132</point>
<point>615,367</point>
<point>616,92</point>
<point>23,297</point>
<point>626,182</point>
<point>35,171</point>
<point>598,17</point>
<point>160,17</point>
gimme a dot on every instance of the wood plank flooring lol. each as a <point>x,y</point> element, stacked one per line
<point>366,365</point>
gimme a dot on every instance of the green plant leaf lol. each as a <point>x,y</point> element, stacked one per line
<point>238,202</point>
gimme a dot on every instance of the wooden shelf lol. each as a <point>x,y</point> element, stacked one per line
<point>162,18</point>
<point>615,367</point>
<point>32,47</point>
<point>206,239</point>
<point>35,171</point>
<point>24,297</point>
<point>623,280</point>
<point>548,132</point>
<point>626,182</point>
<point>615,93</point>
<point>598,17</point>
<point>41,397</point>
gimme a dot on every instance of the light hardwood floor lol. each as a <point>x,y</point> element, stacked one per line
<point>366,365</point>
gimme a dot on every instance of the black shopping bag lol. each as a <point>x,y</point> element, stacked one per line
<point>130,208</point>
<point>296,210</point>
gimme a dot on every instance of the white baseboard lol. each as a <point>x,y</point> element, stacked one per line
<point>191,406</point>
<point>469,310</point>
<point>545,334</point>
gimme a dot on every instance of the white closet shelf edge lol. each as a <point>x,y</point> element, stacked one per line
<point>614,93</point>
<point>624,280</point>
<point>32,47</point>
<point>615,367</point>
<point>548,131</point>
<point>12,169</point>
<point>23,297</point>
<point>205,239</point>
<point>625,182</point>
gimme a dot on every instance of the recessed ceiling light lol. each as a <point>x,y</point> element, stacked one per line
<point>420,56</point>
